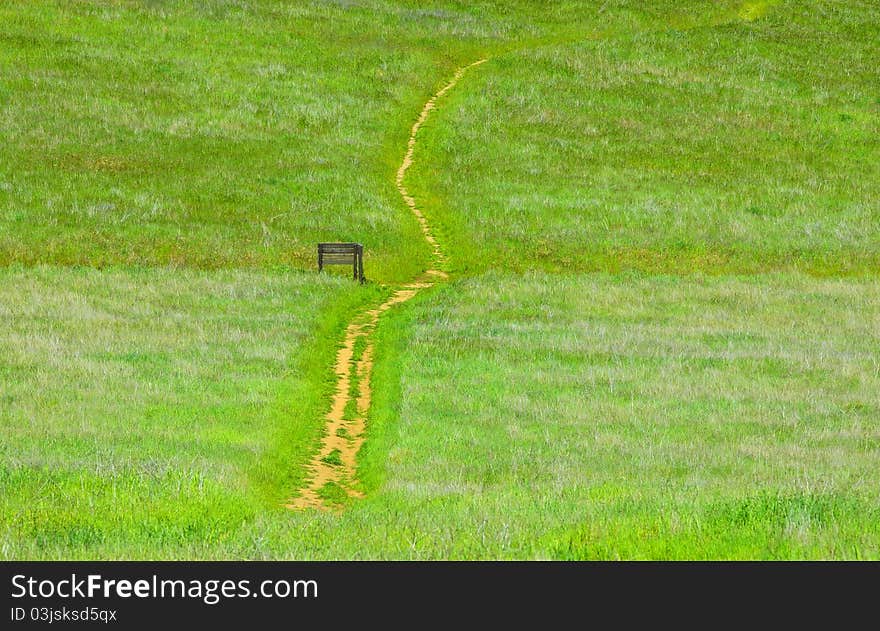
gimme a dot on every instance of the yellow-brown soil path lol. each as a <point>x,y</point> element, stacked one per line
<point>335,463</point>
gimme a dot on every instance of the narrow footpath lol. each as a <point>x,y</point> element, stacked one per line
<point>333,469</point>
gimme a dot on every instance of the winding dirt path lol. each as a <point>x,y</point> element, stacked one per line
<point>333,469</point>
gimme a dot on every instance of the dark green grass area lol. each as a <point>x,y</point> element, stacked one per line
<point>745,147</point>
<point>334,495</point>
<point>208,134</point>
<point>333,458</point>
<point>232,134</point>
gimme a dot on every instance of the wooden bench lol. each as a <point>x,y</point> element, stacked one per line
<point>342,254</point>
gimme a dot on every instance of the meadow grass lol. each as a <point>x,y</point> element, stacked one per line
<point>208,134</point>
<point>642,417</point>
<point>613,373</point>
<point>157,403</point>
<point>620,416</point>
<point>745,147</point>
<point>558,416</point>
<point>225,134</point>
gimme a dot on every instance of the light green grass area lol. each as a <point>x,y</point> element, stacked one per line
<point>624,416</point>
<point>744,147</point>
<point>548,417</point>
<point>160,405</point>
<point>660,339</point>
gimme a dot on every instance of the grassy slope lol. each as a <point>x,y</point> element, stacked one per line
<point>462,487</point>
<point>741,148</point>
<point>160,406</point>
<point>195,135</point>
<point>200,135</point>
<point>606,416</point>
<point>211,134</point>
<point>597,416</point>
<point>228,134</point>
<point>629,416</point>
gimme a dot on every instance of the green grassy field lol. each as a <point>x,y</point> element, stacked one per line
<point>660,338</point>
<point>156,404</point>
<point>737,148</point>
<point>598,416</point>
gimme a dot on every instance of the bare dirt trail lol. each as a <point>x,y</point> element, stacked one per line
<point>333,469</point>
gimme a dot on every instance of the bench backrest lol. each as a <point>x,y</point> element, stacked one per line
<point>342,254</point>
